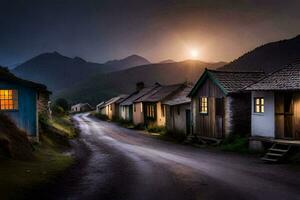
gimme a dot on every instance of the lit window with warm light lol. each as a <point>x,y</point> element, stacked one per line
<point>259,105</point>
<point>8,99</point>
<point>203,105</point>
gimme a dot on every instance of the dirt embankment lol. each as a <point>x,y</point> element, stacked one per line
<point>13,141</point>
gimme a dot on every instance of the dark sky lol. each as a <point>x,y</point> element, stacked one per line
<point>98,30</point>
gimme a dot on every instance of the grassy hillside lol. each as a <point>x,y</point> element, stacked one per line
<point>269,57</point>
<point>25,166</point>
<point>103,86</point>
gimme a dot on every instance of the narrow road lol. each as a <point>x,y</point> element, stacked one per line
<point>117,163</point>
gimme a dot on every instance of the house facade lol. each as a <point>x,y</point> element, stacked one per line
<point>178,113</point>
<point>154,111</point>
<point>22,101</point>
<point>131,110</point>
<point>275,112</point>
<point>81,107</point>
<point>219,104</point>
<point>110,108</point>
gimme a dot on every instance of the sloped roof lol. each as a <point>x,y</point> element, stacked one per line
<point>115,99</point>
<point>180,97</point>
<point>138,94</point>
<point>287,78</point>
<point>9,77</point>
<point>160,93</point>
<point>229,81</point>
<point>122,98</point>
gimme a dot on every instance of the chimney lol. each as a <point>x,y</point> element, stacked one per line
<point>140,86</point>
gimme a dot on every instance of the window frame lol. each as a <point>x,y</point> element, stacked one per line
<point>150,111</point>
<point>260,105</point>
<point>14,98</point>
<point>203,104</point>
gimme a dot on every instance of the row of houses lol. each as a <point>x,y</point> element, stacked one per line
<point>220,104</point>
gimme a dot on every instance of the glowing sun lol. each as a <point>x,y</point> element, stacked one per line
<point>194,53</point>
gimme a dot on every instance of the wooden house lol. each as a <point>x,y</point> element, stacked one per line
<point>275,112</point>
<point>81,107</point>
<point>22,101</point>
<point>178,112</point>
<point>220,106</point>
<point>154,112</point>
<point>131,111</point>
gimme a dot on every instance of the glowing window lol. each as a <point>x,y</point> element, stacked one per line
<point>259,105</point>
<point>8,99</point>
<point>203,105</point>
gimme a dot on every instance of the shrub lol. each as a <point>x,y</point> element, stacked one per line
<point>156,129</point>
<point>100,116</point>
<point>63,103</point>
<point>57,110</point>
<point>235,143</point>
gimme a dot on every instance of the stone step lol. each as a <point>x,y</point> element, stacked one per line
<point>269,159</point>
<point>278,150</point>
<point>274,154</point>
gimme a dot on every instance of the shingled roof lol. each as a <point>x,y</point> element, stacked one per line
<point>138,94</point>
<point>160,93</point>
<point>7,76</point>
<point>287,78</point>
<point>180,97</point>
<point>229,81</point>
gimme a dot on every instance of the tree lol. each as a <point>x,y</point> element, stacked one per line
<point>63,103</point>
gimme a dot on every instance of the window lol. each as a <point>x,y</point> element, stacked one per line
<point>203,105</point>
<point>134,107</point>
<point>178,110</point>
<point>150,111</point>
<point>110,107</point>
<point>8,100</point>
<point>162,110</point>
<point>259,105</point>
<point>141,107</point>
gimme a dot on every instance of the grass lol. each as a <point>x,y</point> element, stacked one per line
<point>64,125</point>
<point>235,143</point>
<point>20,177</point>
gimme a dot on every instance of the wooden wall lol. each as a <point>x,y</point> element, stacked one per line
<point>205,124</point>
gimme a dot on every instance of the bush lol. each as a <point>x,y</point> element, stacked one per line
<point>101,116</point>
<point>57,110</point>
<point>156,129</point>
<point>63,103</point>
<point>235,143</point>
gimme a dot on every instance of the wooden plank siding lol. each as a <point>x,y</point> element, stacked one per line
<point>205,124</point>
<point>281,115</point>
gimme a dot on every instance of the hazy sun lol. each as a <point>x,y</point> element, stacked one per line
<point>194,53</point>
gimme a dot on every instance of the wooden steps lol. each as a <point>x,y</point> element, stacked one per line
<point>276,153</point>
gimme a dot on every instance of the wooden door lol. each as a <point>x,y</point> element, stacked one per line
<point>288,115</point>
<point>219,117</point>
<point>188,121</point>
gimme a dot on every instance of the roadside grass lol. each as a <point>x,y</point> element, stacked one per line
<point>21,177</point>
<point>235,143</point>
<point>64,125</point>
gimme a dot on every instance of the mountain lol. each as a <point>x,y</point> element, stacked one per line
<point>55,70</point>
<point>167,61</point>
<point>103,86</point>
<point>60,72</point>
<point>269,57</point>
<point>125,63</point>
